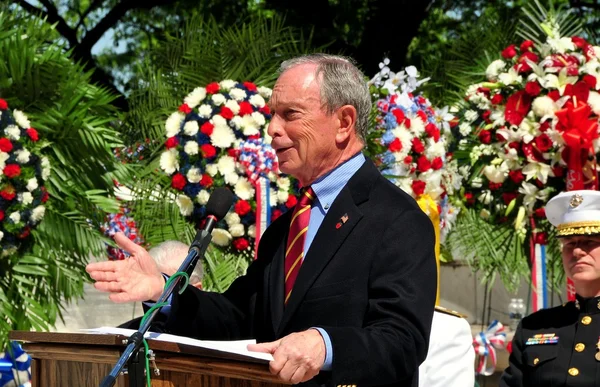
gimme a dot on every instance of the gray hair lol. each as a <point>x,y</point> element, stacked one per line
<point>342,83</point>
<point>169,255</point>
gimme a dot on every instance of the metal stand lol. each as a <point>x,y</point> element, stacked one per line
<point>136,369</point>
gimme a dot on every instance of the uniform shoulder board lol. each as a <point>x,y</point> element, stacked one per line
<point>454,313</point>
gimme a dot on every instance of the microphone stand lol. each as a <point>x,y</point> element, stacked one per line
<point>197,250</point>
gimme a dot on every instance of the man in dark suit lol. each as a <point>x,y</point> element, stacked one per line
<point>343,290</point>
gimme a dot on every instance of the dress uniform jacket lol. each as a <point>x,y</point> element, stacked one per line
<point>368,279</point>
<point>557,347</point>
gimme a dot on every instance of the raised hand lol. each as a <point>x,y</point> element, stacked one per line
<point>136,278</point>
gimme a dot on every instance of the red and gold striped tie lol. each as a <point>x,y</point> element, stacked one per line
<point>294,252</point>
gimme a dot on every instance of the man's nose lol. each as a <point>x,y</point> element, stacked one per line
<point>274,128</point>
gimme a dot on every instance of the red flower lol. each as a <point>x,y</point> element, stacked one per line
<point>5,145</point>
<point>516,176</point>
<point>395,146</point>
<point>522,65</point>
<point>497,99</point>
<point>554,94</point>
<point>171,142</point>
<point>1,215</point>
<point>242,207</point>
<point>399,114</point>
<point>508,197</point>
<point>3,104</point>
<point>517,106</point>
<point>178,181</point>
<point>514,145</point>
<point>24,234</point>
<point>208,151</point>
<point>526,45</point>
<point>579,42</point>
<point>469,198</point>
<point>275,214</point>
<point>291,201</point>
<point>509,52</point>
<point>540,212</point>
<point>545,126</point>
<point>207,128</point>
<point>543,142</point>
<point>494,186</point>
<point>422,115</point>
<point>533,88</point>
<point>417,145</point>
<point>408,160</point>
<point>226,112</point>
<point>185,109</point>
<point>590,80</point>
<point>485,137</point>
<point>580,90</point>
<point>540,238</point>
<point>265,110</point>
<point>33,134</point>
<point>245,108</point>
<point>432,131</point>
<point>486,116</point>
<point>250,86</point>
<point>558,171</point>
<point>45,195</point>
<point>8,193</point>
<point>212,88</point>
<point>233,152</point>
<point>418,187</point>
<point>437,163</point>
<point>12,170</point>
<point>423,165</point>
<point>206,181</point>
<point>241,244</point>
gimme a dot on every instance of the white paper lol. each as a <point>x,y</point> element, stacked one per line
<point>238,346</point>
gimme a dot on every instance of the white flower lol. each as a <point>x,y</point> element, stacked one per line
<point>226,84</point>
<point>226,165</point>
<point>191,148</point>
<point>544,106</point>
<point>191,128</point>
<point>594,102</point>
<point>186,206</point>
<point>23,156</point>
<point>283,183</point>
<point>194,175</point>
<point>243,189</point>
<point>222,136</point>
<point>265,92</point>
<point>237,230</point>
<point>252,231</point>
<point>272,197</point>
<point>195,97</point>
<point>250,126</point>
<point>535,170</point>
<point>1,235</point>
<point>218,120</point>
<point>232,218</point>
<point>493,69</point>
<point>231,178</point>
<point>486,196</point>
<point>32,184</point>
<point>15,217</point>
<point>205,111</point>
<point>259,118</point>
<point>257,100</point>
<point>495,174</point>
<point>38,213</point>
<point>464,129</point>
<point>173,124</point>
<point>512,76</point>
<point>221,237</point>
<point>560,45</point>
<point>13,132</point>
<point>417,126</point>
<point>237,94</point>
<point>212,169</point>
<point>3,157</point>
<point>25,198</point>
<point>21,119</point>
<point>434,149</point>
<point>169,162</point>
<point>237,122</point>
<point>528,130</point>
<point>471,115</point>
<point>45,168</point>
<point>485,214</point>
<point>202,197</point>
<point>531,192</point>
<point>282,196</point>
<point>218,99</point>
<point>233,106</point>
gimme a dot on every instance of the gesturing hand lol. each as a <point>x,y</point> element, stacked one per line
<point>136,278</point>
<point>297,357</point>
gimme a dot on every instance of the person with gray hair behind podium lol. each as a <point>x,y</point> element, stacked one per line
<point>561,346</point>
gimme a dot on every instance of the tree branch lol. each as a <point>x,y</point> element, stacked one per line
<point>61,25</point>
<point>95,5</point>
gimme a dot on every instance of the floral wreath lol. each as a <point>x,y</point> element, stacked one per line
<point>208,144</point>
<point>23,171</point>
<point>121,222</point>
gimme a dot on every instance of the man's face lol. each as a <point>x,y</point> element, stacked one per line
<point>304,135</point>
<point>581,258</point>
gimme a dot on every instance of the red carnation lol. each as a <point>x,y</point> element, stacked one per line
<point>399,114</point>
<point>5,145</point>
<point>245,108</point>
<point>526,45</point>
<point>206,181</point>
<point>178,181</point>
<point>291,201</point>
<point>408,160</point>
<point>517,106</point>
<point>423,164</point>
<point>12,170</point>
<point>522,62</point>
<point>418,187</point>
<point>540,212</point>
<point>185,109</point>
<point>241,244</point>
<point>508,197</point>
<point>509,52</point>
<point>212,88</point>
<point>275,214</point>
<point>242,207</point>
<point>45,195</point>
<point>1,215</point>
<point>233,152</point>
<point>33,134</point>
<point>265,110</point>
<point>469,198</point>
<point>590,80</point>
<point>432,131</point>
<point>8,193</point>
<point>208,151</point>
<point>540,238</point>
<point>395,146</point>
<point>494,186</point>
<point>516,176</point>
<point>226,112</point>
<point>497,99</point>
<point>207,128</point>
<point>422,115</point>
<point>485,136</point>
<point>250,86</point>
<point>3,104</point>
<point>437,163</point>
<point>486,116</point>
<point>171,142</point>
<point>543,142</point>
<point>533,88</point>
<point>417,145</point>
<point>24,234</point>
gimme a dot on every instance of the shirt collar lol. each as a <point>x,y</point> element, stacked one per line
<point>328,186</point>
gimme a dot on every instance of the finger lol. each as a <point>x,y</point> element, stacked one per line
<point>270,347</point>
<point>287,371</point>
<point>107,276</point>
<point>126,244</point>
<point>278,363</point>
<point>299,376</point>
<point>121,297</point>
<point>108,287</point>
<point>103,266</point>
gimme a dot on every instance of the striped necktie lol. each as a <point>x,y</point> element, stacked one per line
<point>294,252</point>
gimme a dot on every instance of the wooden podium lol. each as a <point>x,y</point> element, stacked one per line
<point>83,360</point>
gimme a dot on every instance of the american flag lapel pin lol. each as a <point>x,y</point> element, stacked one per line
<point>343,220</point>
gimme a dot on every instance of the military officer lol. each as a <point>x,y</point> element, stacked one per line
<point>561,346</point>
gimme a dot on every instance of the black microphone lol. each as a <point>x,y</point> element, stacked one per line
<point>217,207</point>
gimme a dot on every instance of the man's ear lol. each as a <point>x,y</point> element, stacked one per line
<point>197,285</point>
<point>346,116</point>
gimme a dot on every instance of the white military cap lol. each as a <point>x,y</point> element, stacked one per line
<point>575,212</point>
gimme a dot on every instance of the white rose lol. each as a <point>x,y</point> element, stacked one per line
<point>544,106</point>
<point>594,102</point>
<point>32,184</point>
<point>226,84</point>
<point>237,230</point>
<point>205,111</point>
<point>221,237</point>
<point>282,196</point>
<point>231,178</point>
<point>186,206</point>
<point>25,198</point>
<point>222,136</point>
<point>218,99</point>
<point>212,170</point>
<point>169,162</point>
<point>233,106</point>
<point>243,189</point>
<point>23,156</point>
<point>493,69</point>
<point>173,123</point>
<point>202,197</point>
<point>194,98</point>
<point>15,217</point>
<point>232,218</point>
<point>194,175</point>
<point>237,94</point>
<point>191,128</point>
<point>265,92</point>
<point>13,132</point>
<point>226,165</point>
<point>191,148</point>
<point>252,231</point>
<point>257,100</point>
<point>21,119</point>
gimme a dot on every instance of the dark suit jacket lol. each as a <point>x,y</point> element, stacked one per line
<point>371,284</point>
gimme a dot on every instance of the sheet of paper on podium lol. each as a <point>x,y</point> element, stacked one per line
<point>234,347</point>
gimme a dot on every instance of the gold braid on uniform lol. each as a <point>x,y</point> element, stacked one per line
<point>587,227</point>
